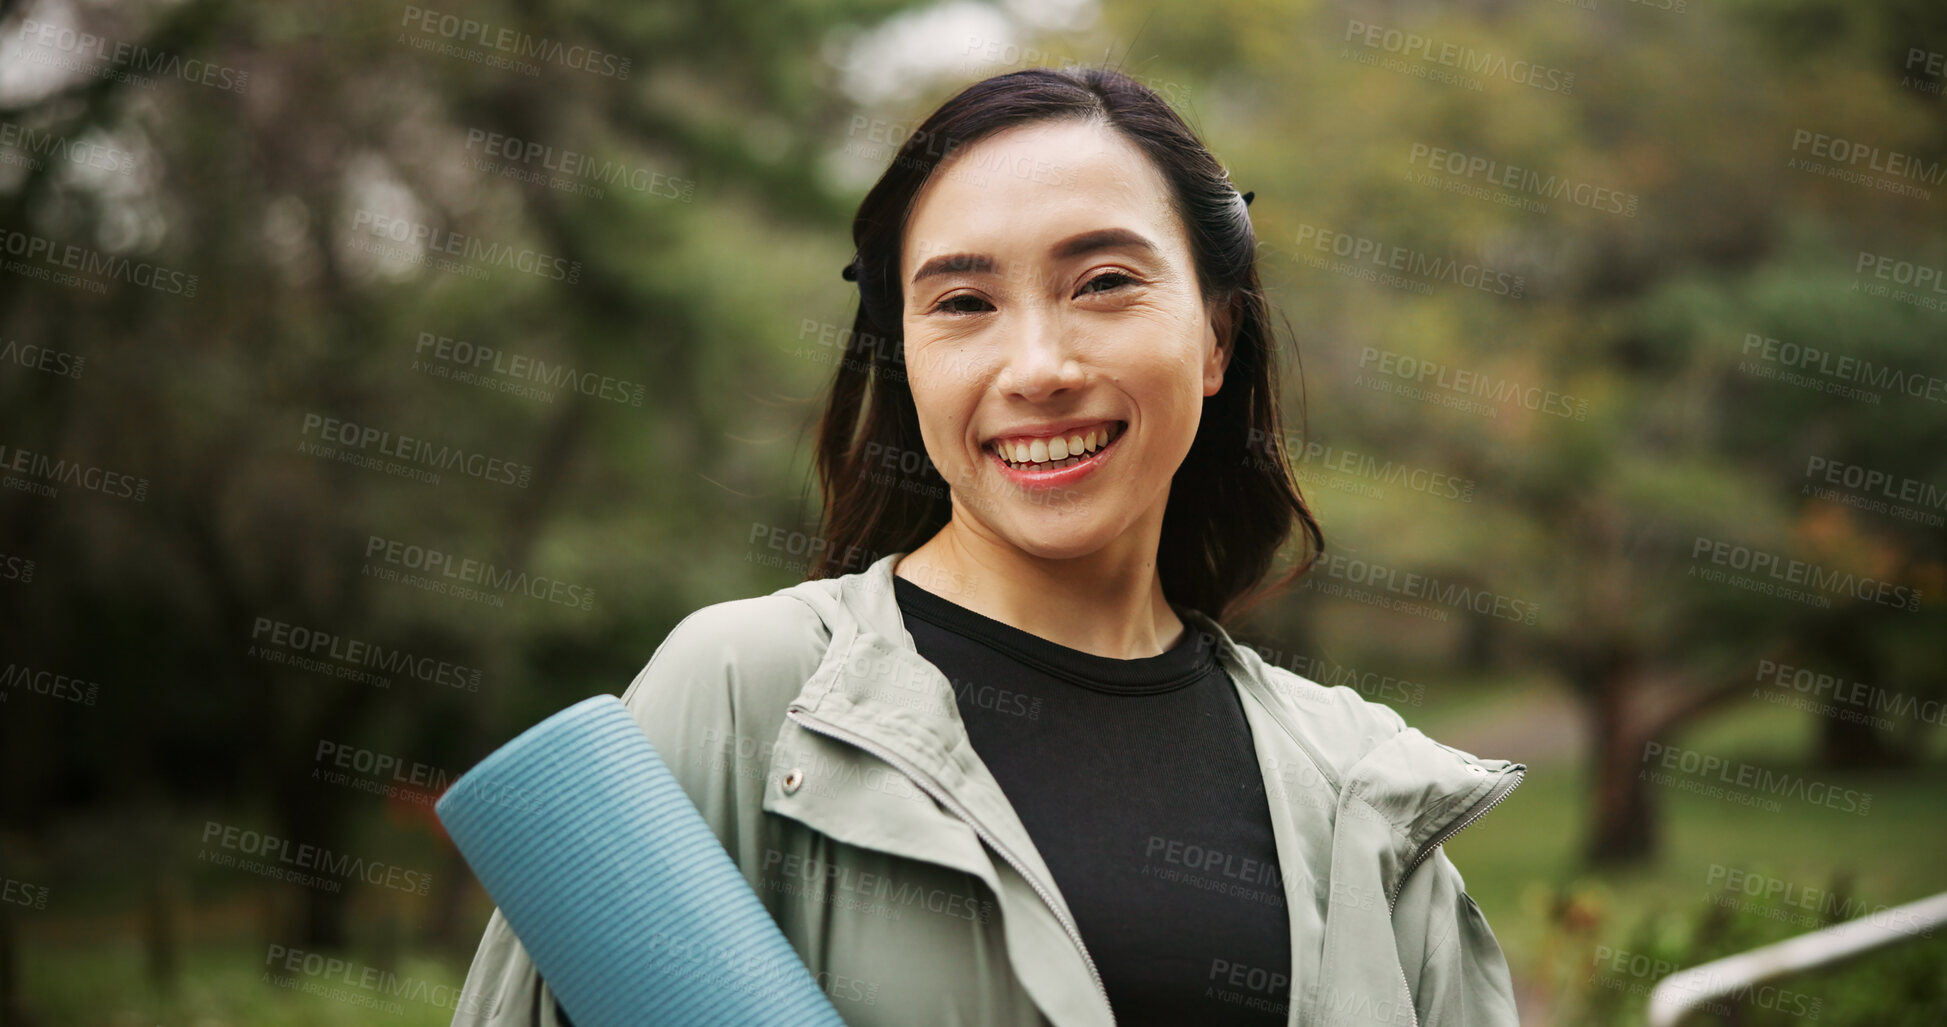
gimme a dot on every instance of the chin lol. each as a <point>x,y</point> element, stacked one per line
<point>1062,541</point>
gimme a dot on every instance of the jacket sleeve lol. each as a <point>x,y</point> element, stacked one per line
<point>710,699</point>
<point>1464,977</point>
<point>502,987</point>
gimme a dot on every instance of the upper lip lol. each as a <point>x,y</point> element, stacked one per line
<point>1050,429</point>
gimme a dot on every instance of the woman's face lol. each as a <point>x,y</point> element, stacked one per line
<point>1050,292</point>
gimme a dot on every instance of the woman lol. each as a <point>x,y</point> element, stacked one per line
<point>996,761</point>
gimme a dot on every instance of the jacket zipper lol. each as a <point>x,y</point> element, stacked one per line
<point>932,788</point>
<point>1426,849</point>
<point>1392,901</point>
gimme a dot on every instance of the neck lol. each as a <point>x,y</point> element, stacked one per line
<point>1108,602</point>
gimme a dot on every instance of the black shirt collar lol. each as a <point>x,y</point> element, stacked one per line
<point>1190,658</point>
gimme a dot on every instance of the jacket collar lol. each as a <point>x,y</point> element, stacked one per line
<point>1358,800</point>
<point>1423,789</point>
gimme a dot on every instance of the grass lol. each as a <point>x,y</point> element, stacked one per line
<point>229,985</point>
<point>1551,913</point>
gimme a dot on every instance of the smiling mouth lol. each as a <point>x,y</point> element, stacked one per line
<point>1008,455</point>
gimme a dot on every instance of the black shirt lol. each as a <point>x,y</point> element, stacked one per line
<point>1139,785</point>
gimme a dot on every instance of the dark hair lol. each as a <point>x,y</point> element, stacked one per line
<point>1232,502</point>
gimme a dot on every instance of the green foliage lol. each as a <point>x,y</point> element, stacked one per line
<point>1903,983</point>
<point>1667,424</point>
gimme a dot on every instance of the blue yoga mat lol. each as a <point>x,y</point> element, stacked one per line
<point>621,894</point>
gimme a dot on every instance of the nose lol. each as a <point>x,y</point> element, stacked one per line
<point>1040,359</point>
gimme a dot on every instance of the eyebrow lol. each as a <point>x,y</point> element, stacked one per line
<point>1073,246</point>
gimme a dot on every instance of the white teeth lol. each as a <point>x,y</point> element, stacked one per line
<point>1049,454</point>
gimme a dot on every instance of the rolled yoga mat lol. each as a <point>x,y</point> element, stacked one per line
<point>617,888</point>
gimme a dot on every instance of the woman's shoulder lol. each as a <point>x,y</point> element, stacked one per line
<point>733,660</point>
<point>1343,724</point>
<point>1340,723</point>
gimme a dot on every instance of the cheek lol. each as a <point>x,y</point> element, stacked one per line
<point>942,420</point>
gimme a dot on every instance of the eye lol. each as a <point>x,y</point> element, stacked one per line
<point>961,303</point>
<point>1115,279</point>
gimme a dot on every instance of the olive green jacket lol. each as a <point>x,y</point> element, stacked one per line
<point>830,759</point>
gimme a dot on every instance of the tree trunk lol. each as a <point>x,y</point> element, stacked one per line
<point>1851,745</point>
<point>12,1012</point>
<point>1623,829</point>
<point>162,930</point>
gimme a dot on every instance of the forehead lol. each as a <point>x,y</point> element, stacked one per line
<point>1015,193</point>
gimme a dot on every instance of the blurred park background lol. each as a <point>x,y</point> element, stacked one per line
<point>1626,314</point>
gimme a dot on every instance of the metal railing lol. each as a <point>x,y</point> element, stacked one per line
<point>1685,990</point>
